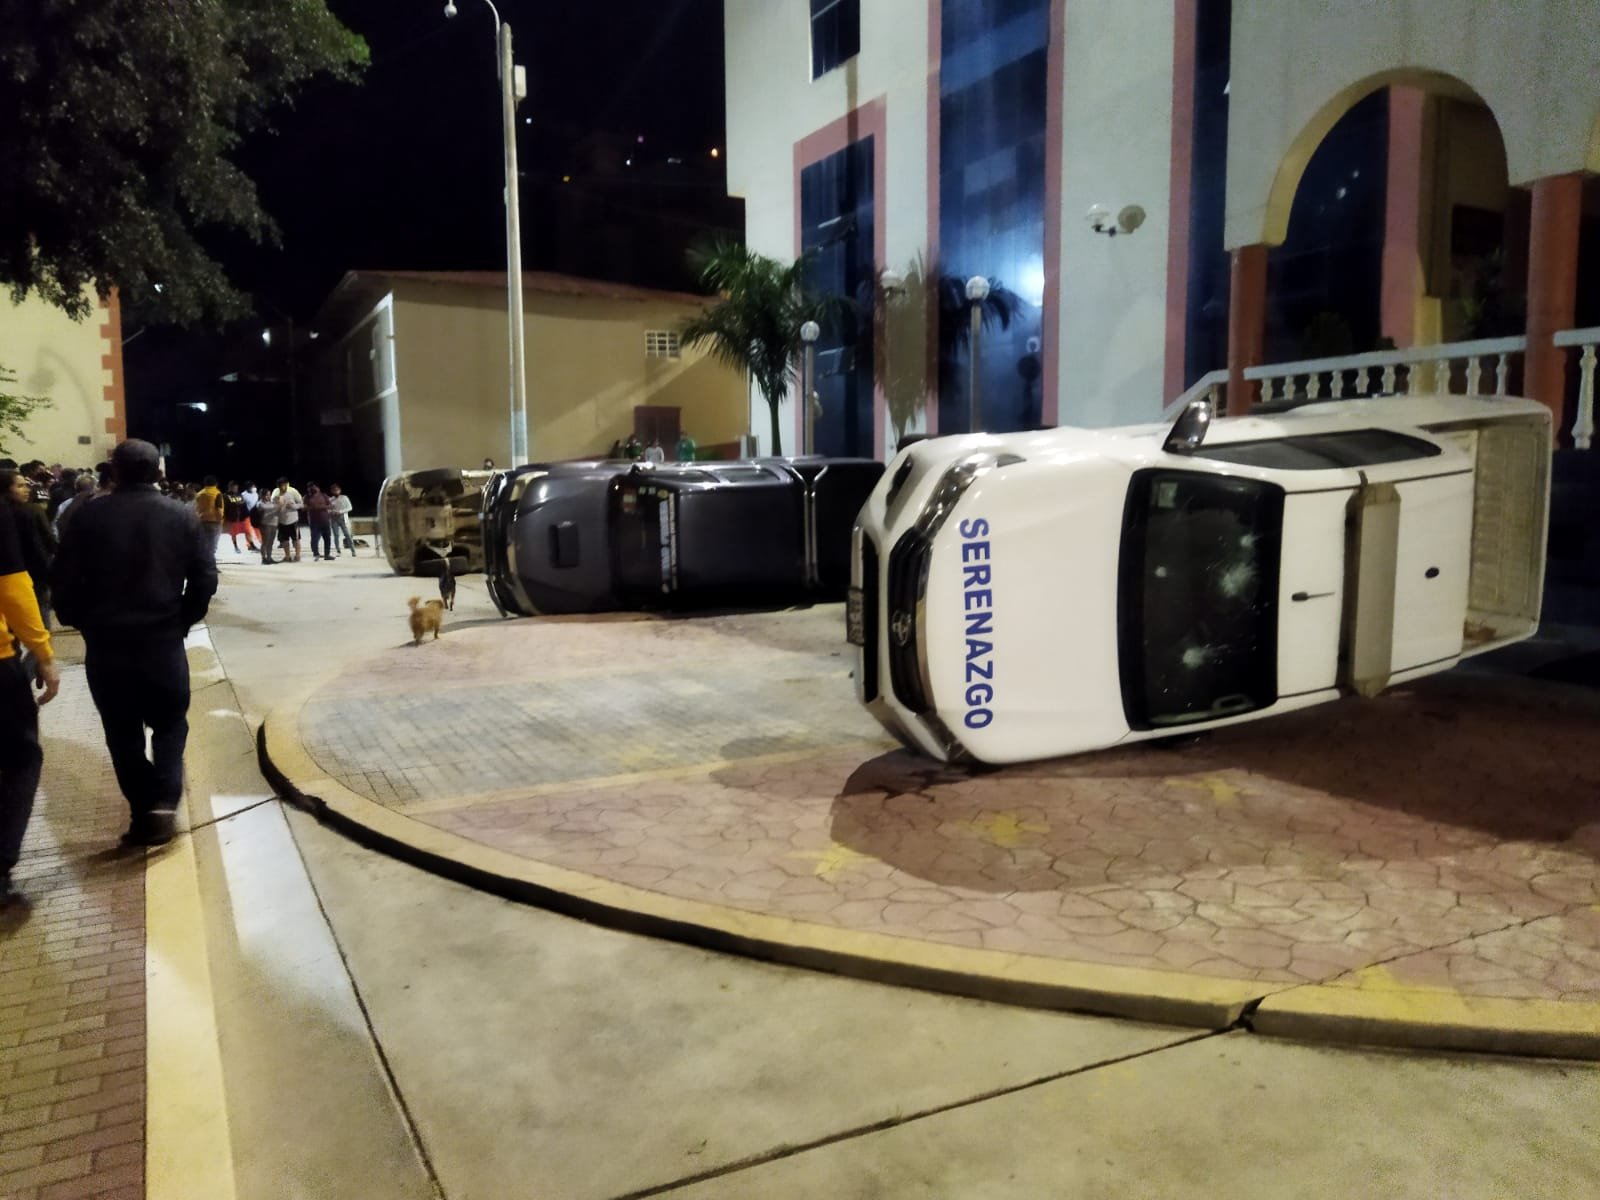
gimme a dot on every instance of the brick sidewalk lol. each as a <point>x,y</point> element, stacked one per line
<point>72,977</point>
<point>1443,836</point>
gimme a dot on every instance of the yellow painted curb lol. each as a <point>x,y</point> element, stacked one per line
<point>188,1150</point>
<point>1167,997</point>
<point>1432,1018</point>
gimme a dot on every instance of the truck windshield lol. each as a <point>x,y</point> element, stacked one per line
<point>1197,597</point>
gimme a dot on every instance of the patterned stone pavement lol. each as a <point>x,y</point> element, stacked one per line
<point>72,976</point>
<point>1443,836</point>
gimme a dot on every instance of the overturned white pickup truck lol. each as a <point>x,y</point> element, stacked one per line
<point>1028,595</point>
<point>428,520</point>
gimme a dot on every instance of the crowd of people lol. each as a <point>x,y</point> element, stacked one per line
<point>128,558</point>
<point>253,520</point>
<point>272,521</point>
<point>633,448</point>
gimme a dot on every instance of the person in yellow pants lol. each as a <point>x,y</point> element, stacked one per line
<point>20,755</point>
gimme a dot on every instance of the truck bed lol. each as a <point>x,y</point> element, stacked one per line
<point>1510,515</point>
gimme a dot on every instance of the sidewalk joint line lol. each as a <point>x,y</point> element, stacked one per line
<point>1397,956</point>
<point>406,1114</point>
<point>782,1152</point>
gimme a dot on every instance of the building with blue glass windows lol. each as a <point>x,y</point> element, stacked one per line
<point>1169,195</point>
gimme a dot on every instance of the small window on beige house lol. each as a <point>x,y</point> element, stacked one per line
<point>662,343</point>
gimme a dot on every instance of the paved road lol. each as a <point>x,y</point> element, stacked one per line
<point>352,1028</point>
<point>537,1055</point>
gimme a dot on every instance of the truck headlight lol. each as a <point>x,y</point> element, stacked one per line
<point>954,485</point>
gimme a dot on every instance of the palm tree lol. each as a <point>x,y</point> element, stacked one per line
<point>1000,307</point>
<point>756,326</point>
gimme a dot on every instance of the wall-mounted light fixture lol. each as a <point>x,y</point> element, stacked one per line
<point>1128,218</point>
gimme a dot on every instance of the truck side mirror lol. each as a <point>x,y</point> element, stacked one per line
<point>1189,430</point>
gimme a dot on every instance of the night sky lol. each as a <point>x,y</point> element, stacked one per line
<point>403,170</point>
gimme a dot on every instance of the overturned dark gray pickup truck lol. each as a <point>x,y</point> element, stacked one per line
<point>593,536</point>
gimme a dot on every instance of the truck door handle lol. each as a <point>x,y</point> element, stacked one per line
<point>1299,596</point>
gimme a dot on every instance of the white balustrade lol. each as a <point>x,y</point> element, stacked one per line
<point>1585,340</point>
<point>1409,372</point>
<point>1394,372</point>
<point>1208,387</point>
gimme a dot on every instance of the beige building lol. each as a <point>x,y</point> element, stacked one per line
<point>77,367</point>
<point>412,371</point>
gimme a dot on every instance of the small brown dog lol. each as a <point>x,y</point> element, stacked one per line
<point>425,617</point>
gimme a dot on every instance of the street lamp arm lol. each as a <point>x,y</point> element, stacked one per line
<point>450,10</point>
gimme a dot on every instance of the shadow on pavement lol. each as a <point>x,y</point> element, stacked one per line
<point>1444,767</point>
<point>1581,669</point>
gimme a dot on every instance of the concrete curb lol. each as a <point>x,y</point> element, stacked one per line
<point>1389,1015</point>
<point>1432,1019</point>
<point>1163,997</point>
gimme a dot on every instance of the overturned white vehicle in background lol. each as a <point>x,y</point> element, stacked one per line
<point>428,520</point>
<point>1028,595</point>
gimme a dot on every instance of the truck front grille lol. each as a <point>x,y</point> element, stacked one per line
<point>908,577</point>
<point>871,619</point>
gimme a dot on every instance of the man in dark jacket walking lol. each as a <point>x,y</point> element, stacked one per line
<point>134,573</point>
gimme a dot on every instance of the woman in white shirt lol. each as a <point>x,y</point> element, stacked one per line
<point>339,508</point>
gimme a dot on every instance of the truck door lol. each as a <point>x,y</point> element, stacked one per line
<point>1432,562</point>
<point>1311,590</point>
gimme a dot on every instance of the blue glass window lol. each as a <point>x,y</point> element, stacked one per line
<point>835,34</point>
<point>836,226</point>
<point>992,113</point>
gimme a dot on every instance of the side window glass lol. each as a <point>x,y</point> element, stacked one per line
<point>1197,597</point>
<point>1322,451</point>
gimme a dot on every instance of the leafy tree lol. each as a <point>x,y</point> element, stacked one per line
<point>756,325</point>
<point>14,409</point>
<point>119,119</point>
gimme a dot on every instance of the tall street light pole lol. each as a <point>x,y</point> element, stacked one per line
<point>512,89</point>
<point>891,290</point>
<point>809,333</point>
<point>977,293</point>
